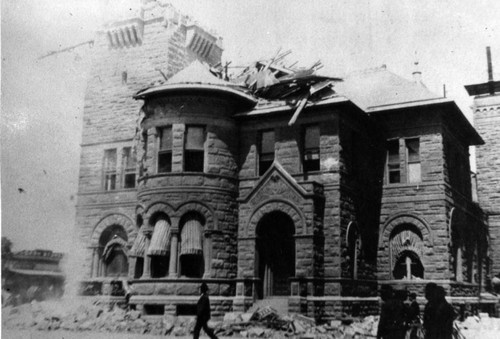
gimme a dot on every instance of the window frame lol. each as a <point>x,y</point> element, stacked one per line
<point>126,169</point>
<point>409,162</point>
<point>389,163</point>
<point>168,152</point>
<point>108,172</point>
<point>194,151</point>
<point>268,163</point>
<point>307,163</point>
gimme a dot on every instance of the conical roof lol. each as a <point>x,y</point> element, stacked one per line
<point>197,77</point>
<point>197,73</point>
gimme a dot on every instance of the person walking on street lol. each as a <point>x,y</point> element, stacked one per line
<point>413,316</point>
<point>430,311</point>
<point>445,315</point>
<point>392,316</point>
<point>203,314</point>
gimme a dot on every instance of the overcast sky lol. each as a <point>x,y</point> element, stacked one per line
<point>42,99</point>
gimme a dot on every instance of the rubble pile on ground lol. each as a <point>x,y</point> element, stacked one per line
<point>99,317</point>
<point>87,316</point>
<point>266,323</point>
<point>481,326</point>
<point>262,323</point>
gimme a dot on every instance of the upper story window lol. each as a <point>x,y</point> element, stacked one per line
<point>266,151</point>
<point>311,136</point>
<point>165,150</point>
<point>128,166</point>
<point>194,149</point>
<point>393,166</point>
<point>109,167</point>
<point>413,160</point>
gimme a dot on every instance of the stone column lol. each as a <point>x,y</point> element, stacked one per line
<point>131,267</point>
<point>146,271</point>
<point>207,254</point>
<point>174,245</point>
<point>458,272</point>
<point>172,267</point>
<point>95,263</point>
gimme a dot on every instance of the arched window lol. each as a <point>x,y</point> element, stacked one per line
<point>353,241</point>
<point>113,252</point>
<point>408,266</point>
<point>159,248</point>
<point>191,246</point>
<point>406,250</point>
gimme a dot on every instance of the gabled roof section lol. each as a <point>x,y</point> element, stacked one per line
<point>378,88</point>
<point>198,77</point>
<point>275,174</point>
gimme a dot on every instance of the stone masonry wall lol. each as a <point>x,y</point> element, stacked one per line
<point>487,123</point>
<point>422,204</point>
<point>361,162</point>
<point>119,70</point>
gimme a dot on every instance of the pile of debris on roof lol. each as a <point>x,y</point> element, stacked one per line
<point>273,80</point>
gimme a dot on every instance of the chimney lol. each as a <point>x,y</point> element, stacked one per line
<point>490,66</point>
<point>491,83</point>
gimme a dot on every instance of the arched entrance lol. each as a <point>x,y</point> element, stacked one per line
<point>275,249</point>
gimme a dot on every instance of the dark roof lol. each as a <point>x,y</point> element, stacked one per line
<point>490,87</point>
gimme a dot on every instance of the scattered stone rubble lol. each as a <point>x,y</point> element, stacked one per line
<point>262,323</point>
<point>481,326</point>
<point>101,317</point>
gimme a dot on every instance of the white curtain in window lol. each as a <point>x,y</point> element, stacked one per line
<point>139,245</point>
<point>160,241</point>
<point>191,238</point>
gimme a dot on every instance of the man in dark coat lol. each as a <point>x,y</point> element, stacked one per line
<point>438,314</point>
<point>445,315</point>
<point>430,311</point>
<point>413,316</point>
<point>203,314</point>
<point>392,316</point>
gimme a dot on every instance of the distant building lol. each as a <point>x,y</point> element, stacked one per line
<point>198,179</point>
<point>34,275</point>
<point>487,121</point>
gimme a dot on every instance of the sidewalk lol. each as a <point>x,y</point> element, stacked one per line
<point>33,334</point>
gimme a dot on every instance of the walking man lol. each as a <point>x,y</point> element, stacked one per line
<point>203,314</point>
<point>413,316</point>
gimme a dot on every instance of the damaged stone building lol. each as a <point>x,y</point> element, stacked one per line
<point>313,196</point>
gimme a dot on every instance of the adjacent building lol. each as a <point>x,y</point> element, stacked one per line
<point>33,275</point>
<point>187,177</point>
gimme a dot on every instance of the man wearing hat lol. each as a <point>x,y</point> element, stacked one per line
<point>203,314</point>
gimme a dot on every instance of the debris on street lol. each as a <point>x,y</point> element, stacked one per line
<point>263,322</point>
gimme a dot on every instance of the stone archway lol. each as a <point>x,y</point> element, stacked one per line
<point>404,233</point>
<point>275,254</point>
